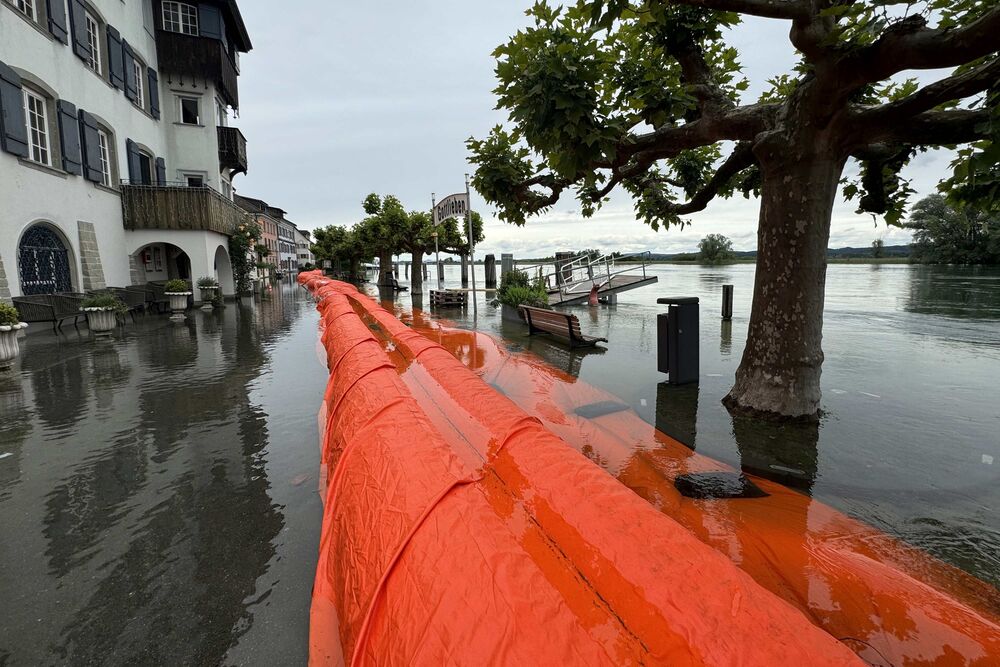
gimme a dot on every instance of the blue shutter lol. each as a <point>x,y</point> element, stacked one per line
<point>134,166</point>
<point>116,66</point>
<point>154,93</point>
<point>131,91</point>
<point>13,131</point>
<point>69,137</point>
<point>91,147</point>
<point>161,172</point>
<point>78,28</point>
<point>210,21</point>
<point>56,11</point>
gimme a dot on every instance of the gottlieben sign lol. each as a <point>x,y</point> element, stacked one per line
<point>452,206</point>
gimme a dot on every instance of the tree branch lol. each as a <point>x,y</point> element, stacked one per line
<point>957,87</point>
<point>940,128</point>
<point>741,158</point>
<point>909,44</point>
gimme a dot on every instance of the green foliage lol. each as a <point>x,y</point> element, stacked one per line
<point>715,248</point>
<point>241,245</point>
<point>878,248</point>
<point>105,300</point>
<point>517,289</point>
<point>177,285</point>
<point>945,234</point>
<point>8,314</point>
<point>207,281</point>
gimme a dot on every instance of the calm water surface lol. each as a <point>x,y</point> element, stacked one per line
<point>910,438</point>
<point>158,498</point>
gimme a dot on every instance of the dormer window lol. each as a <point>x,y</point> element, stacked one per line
<point>180,17</point>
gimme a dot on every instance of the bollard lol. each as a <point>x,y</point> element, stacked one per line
<point>506,264</point>
<point>490,269</point>
<point>677,339</point>
<point>727,302</point>
<point>440,270</point>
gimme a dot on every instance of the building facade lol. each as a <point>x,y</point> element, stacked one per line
<point>272,223</point>
<point>287,249</point>
<point>116,153</point>
<point>303,241</point>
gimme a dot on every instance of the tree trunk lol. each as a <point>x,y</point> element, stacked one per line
<point>355,268</point>
<point>779,375</point>
<point>417,272</point>
<point>385,268</point>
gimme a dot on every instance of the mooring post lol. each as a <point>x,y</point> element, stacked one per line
<point>727,302</point>
<point>677,339</point>
<point>506,264</point>
<point>490,268</point>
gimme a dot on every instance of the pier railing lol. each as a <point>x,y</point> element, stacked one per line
<point>578,275</point>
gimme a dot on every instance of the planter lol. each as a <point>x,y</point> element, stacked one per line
<point>101,321</point>
<point>207,297</point>
<point>178,304</point>
<point>510,313</point>
<point>9,348</point>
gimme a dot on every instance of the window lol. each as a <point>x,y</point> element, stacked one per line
<point>189,111</point>
<point>37,120</point>
<point>139,72</point>
<point>220,111</point>
<point>146,168</point>
<point>105,147</point>
<point>93,30</point>
<point>194,180</point>
<point>26,7</point>
<point>180,17</point>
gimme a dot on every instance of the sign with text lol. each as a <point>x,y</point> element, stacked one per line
<point>452,206</point>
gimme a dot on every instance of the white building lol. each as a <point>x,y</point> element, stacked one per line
<point>116,157</point>
<point>303,241</point>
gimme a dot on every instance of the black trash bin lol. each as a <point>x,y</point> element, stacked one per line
<point>677,339</point>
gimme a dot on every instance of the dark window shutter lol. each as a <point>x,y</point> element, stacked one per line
<point>161,171</point>
<point>116,65</point>
<point>210,21</point>
<point>56,10</point>
<point>69,137</point>
<point>134,166</point>
<point>78,27</point>
<point>130,90</point>
<point>91,145</point>
<point>154,93</point>
<point>13,132</point>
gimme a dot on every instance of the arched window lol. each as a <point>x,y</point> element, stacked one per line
<point>43,262</point>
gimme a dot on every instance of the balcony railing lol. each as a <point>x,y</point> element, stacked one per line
<point>179,207</point>
<point>232,149</point>
<point>198,56</point>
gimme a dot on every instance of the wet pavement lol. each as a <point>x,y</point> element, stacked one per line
<point>158,499</point>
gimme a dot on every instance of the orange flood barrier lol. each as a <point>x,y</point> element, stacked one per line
<point>891,603</point>
<point>459,530</point>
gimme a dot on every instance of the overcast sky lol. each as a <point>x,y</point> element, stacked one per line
<point>340,99</point>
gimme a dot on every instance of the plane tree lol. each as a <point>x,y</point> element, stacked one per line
<point>647,97</point>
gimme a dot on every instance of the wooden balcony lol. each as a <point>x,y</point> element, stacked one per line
<point>198,56</point>
<point>232,149</point>
<point>178,207</point>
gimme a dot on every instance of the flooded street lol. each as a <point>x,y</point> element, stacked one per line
<point>910,438</point>
<point>158,498</point>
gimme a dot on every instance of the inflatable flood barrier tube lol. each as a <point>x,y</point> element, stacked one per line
<point>485,539</point>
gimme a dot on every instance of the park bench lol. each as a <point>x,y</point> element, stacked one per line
<point>55,308</point>
<point>561,325</point>
<point>449,298</point>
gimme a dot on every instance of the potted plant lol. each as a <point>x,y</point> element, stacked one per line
<point>177,291</point>
<point>10,325</point>
<point>102,312</point>
<point>209,287</point>
<point>515,290</point>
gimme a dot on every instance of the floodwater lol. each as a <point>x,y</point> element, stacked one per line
<point>910,437</point>
<point>158,492</point>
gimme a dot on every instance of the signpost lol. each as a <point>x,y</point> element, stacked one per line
<point>457,206</point>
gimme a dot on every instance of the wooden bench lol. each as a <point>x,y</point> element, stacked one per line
<point>53,308</point>
<point>449,298</point>
<point>561,325</point>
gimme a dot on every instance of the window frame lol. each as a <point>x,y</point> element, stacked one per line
<point>180,110</point>
<point>180,18</point>
<point>94,41</point>
<point>104,148</point>
<point>26,8</point>
<point>44,129</point>
<point>139,72</point>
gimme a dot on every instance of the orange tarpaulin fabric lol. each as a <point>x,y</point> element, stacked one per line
<point>465,532</point>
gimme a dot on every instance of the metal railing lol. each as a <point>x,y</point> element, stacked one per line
<point>578,275</point>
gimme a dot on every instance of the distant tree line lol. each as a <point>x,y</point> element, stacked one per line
<point>944,234</point>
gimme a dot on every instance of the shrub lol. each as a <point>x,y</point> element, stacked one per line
<point>516,289</point>
<point>177,285</point>
<point>104,300</point>
<point>207,281</point>
<point>8,314</point>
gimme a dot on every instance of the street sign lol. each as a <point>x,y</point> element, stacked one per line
<point>452,206</point>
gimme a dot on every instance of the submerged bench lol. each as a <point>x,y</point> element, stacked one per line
<point>449,298</point>
<point>561,325</point>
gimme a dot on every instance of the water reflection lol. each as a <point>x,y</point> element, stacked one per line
<point>677,411</point>
<point>786,453</point>
<point>959,292</point>
<point>726,337</point>
<point>140,535</point>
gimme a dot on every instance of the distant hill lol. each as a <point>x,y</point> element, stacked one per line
<point>836,253</point>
